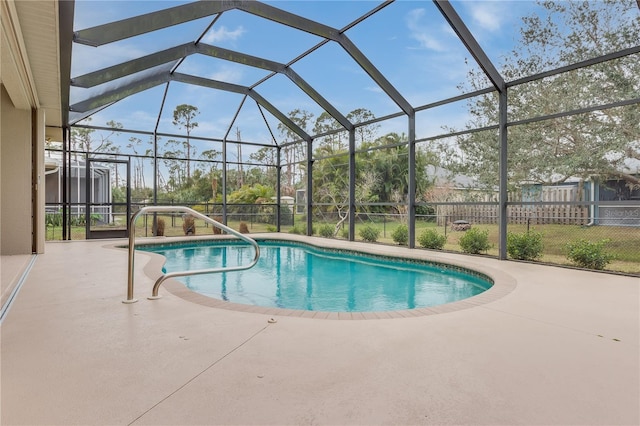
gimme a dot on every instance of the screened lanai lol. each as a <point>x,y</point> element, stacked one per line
<point>378,121</point>
<point>414,128</point>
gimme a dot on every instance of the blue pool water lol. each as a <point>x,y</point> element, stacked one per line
<point>297,276</point>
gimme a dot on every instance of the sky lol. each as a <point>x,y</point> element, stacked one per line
<point>409,42</point>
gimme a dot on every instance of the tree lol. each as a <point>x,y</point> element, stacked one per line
<point>333,142</point>
<point>254,194</point>
<point>293,153</point>
<point>184,117</point>
<point>582,145</point>
<point>86,143</point>
<point>173,166</point>
<point>367,133</point>
<point>382,175</point>
<point>391,165</point>
<point>85,140</point>
<point>138,162</point>
<point>331,185</point>
<point>267,155</point>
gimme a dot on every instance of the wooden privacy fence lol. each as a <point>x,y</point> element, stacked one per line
<point>534,215</point>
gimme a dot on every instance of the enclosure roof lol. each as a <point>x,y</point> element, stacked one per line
<point>246,61</point>
<point>174,63</point>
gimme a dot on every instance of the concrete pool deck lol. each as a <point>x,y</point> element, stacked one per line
<point>561,347</point>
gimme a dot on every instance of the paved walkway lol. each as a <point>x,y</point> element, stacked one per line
<point>560,348</point>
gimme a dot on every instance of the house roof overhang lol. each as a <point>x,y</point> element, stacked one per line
<point>32,57</point>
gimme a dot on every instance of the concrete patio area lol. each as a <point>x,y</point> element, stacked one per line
<point>560,347</point>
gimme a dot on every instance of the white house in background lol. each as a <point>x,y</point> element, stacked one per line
<point>54,184</point>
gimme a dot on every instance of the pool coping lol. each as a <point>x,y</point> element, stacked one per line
<point>503,283</point>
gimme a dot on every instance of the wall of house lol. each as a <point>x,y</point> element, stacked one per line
<point>22,134</point>
<point>15,178</point>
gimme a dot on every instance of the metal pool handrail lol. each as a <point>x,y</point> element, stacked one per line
<point>156,286</point>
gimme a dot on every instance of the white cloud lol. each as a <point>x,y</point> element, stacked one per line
<point>487,15</point>
<point>213,129</point>
<point>217,35</point>
<point>419,31</point>
<point>142,117</point>
<point>227,74</point>
<point>374,89</point>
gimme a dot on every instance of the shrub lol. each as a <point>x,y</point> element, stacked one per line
<point>244,229</point>
<point>94,218</point>
<point>297,229</point>
<point>525,246</point>
<point>401,234</point>
<point>326,231</point>
<point>301,230</point>
<point>81,220</point>
<point>369,233</point>
<point>431,239</point>
<point>216,230</point>
<point>53,219</point>
<point>475,241</point>
<point>189,225</point>
<point>345,233</point>
<point>159,227</point>
<point>272,228</point>
<point>587,254</point>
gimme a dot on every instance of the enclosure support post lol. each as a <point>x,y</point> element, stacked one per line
<point>411,196</point>
<point>224,180</point>
<point>156,179</point>
<point>65,179</point>
<point>278,184</point>
<point>87,193</point>
<point>128,196</point>
<point>502,198</point>
<point>154,226</point>
<point>309,186</point>
<point>352,184</point>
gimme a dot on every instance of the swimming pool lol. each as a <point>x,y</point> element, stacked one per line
<point>303,277</point>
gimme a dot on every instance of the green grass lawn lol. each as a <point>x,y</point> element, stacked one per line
<point>173,228</point>
<point>624,241</point>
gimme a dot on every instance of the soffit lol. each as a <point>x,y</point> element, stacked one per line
<point>39,24</point>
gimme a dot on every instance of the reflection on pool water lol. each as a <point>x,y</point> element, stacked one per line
<point>298,276</point>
